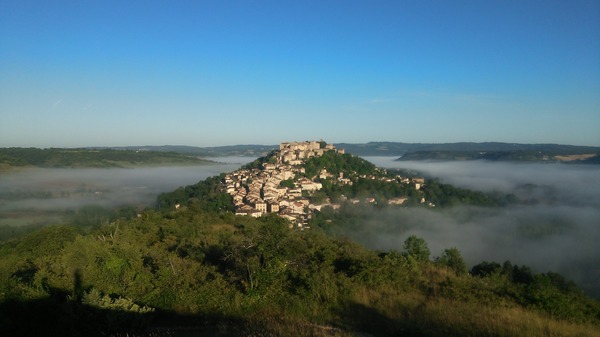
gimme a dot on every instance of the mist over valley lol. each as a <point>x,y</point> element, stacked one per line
<point>28,195</point>
<point>554,226</point>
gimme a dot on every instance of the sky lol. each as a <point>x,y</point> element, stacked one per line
<point>210,73</point>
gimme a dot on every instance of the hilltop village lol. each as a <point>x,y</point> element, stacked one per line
<point>280,186</point>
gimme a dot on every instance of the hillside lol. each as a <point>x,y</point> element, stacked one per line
<point>97,158</point>
<point>307,177</point>
<point>195,267</point>
<point>191,271</point>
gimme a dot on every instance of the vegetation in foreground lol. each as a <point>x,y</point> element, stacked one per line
<point>192,270</point>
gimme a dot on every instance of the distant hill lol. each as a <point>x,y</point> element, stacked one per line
<point>409,151</point>
<point>217,151</point>
<point>99,158</point>
<point>467,150</point>
<point>558,153</point>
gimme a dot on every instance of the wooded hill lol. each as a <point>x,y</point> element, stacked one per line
<point>399,149</point>
<point>98,158</point>
<point>514,155</point>
<point>366,182</point>
<point>487,151</point>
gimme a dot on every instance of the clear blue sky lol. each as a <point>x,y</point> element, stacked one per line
<point>206,73</point>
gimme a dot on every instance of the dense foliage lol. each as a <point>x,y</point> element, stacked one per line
<point>206,195</point>
<point>207,269</point>
<point>258,163</point>
<point>338,163</point>
<point>361,172</point>
<point>446,195</point>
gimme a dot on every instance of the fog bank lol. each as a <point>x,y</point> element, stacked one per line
<point>558,229</point>
<point>40,189</point>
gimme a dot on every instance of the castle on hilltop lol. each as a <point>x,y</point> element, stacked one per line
<point>295,152</point>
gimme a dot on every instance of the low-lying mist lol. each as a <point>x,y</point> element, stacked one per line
<point>556,228</point>
<point>31,191</point>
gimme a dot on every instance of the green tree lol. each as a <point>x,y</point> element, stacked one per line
<point>289,183</point>
<point>452,259</point>
<point>486,268</point>
<point>417,248</point>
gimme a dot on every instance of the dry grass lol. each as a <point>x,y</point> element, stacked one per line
<point>467,319</point>
<point>390,312</point>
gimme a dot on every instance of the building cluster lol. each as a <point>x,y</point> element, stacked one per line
<point>257,192</point>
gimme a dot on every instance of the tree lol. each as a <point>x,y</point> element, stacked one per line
<point>289,183</point>
<point>417,248</point>
<point>485,269</point>
<point>452,259</point>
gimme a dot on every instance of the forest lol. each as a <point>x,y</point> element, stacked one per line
<point>198,269</point>
<point>87,157</point>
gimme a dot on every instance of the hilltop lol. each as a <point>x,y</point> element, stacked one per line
<point>301,178</point>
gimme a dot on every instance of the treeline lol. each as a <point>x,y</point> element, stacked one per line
<point>369,188</point>
<point>434,192</point>
<point>253,276</point>
<point>85,218</point>
<point>207,195</point>
<point>354,167</point>
<point>336,163</point>
<point>101,158</point>
<point>446,195</point>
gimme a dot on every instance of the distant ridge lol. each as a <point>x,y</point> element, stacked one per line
<point>245,150</point>
<point>400,149</point>
<point>373,148</point>
<point>407,151</point>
